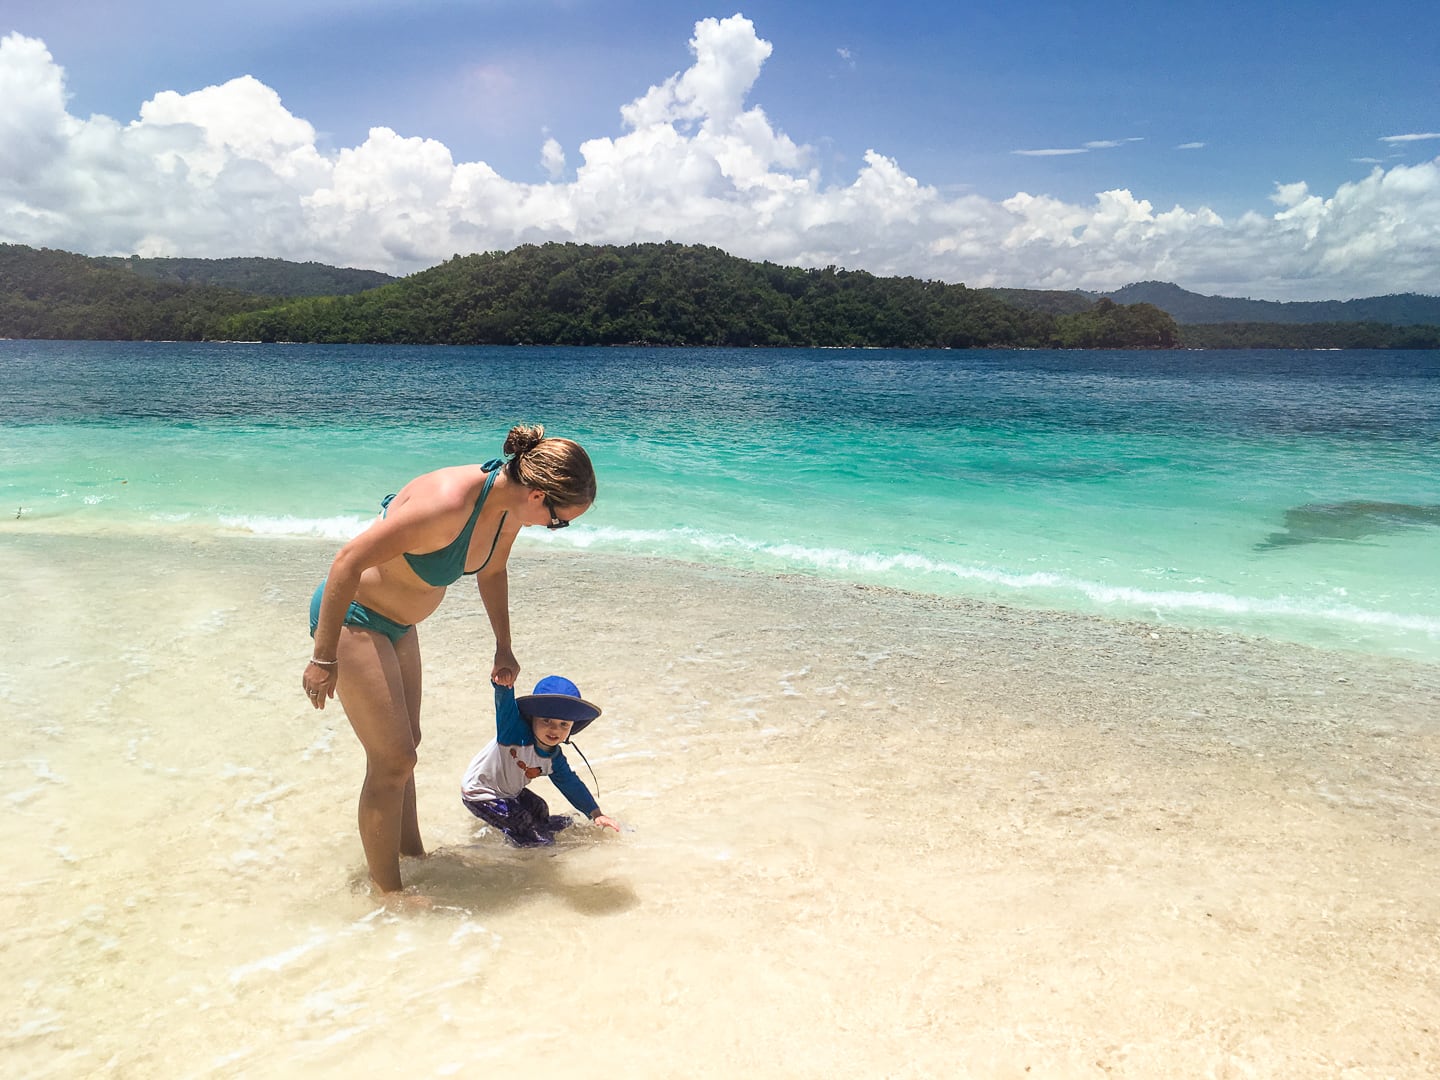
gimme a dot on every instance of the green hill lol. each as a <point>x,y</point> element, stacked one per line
<point>54,294</point>
<point>560,294</point>
<point>1052,302</point>
<point>675,294</point>
<point>264,277</point>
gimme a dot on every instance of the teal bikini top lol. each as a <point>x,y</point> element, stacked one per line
<point>447,565</point>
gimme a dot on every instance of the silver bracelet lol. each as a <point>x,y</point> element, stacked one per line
<point>324,663</point>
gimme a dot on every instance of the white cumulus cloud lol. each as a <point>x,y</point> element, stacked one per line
<point>552,158</point>
<point>229,170</point>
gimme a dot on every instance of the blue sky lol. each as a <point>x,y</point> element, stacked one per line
<point>1220,110</point>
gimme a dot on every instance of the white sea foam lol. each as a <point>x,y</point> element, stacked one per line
<point>269,965</point>
<point>41,768</point>
<point>267,797</point>
<point>1275,602</point>
<point>904,568</point>
<point>340,527</point>
<point>323,743</point>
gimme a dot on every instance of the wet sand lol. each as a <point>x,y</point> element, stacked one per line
<point>867,834</point>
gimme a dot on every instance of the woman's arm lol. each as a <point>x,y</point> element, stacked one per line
<point>428,513</point>
<point>493,583</point>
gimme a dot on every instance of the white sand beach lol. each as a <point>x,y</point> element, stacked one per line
<point>866,834</point>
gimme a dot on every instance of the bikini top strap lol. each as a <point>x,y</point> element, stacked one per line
<point>492,467</point>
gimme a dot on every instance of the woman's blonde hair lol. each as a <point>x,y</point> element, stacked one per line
<point>558,467</point>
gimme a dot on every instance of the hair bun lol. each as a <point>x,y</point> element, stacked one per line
<point>523,438</point>
<point>558,467</point>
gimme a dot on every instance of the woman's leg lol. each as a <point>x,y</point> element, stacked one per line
<point>407,651</point>
<point>372,690</point>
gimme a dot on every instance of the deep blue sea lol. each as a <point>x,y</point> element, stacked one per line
<point>1293,495</point>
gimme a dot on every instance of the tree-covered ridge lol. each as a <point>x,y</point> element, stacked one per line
<point>264,277</point>
<point>1053,301</point>
<point>675,294</point>
<point>54,294</point>
<point>1337,335</point>
<point>1404,309</point>
<point>663,294</point>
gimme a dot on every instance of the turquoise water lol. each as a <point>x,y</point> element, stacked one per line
<point>1284,494</point>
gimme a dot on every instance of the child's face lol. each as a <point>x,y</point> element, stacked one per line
<point>549,732</point>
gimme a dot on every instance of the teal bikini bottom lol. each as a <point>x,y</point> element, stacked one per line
<point>361,616</point>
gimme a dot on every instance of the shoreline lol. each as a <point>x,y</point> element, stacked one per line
<point>335,531</point>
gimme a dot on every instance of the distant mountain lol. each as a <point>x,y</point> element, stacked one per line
<point>1404,309</point>
<point>56,294</point>
<point>1406,321</point>
<point>261,277</point>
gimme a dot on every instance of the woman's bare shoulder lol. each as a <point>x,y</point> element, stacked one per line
<point>444,490</point>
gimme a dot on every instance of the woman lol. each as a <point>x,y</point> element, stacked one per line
<point>454,521</point>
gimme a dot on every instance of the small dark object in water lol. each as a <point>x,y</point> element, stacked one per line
<point>1316,523</point>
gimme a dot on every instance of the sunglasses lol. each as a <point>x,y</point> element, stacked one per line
<point>556,521</point>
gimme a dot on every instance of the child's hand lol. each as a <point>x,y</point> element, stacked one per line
<point>505,669</point>
<point>605,822</point>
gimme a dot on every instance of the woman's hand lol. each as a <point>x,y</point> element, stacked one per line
<point>605,822</point>
<point>506,669</point>
<point>319,682</point>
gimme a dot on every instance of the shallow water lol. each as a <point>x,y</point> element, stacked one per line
<point>1283,494</point>
<point>868,833</point>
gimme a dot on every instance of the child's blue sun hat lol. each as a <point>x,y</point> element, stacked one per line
<point>558,698</point>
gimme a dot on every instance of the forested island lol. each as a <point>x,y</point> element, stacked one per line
<point>676,294</point>
<point>643,294</point>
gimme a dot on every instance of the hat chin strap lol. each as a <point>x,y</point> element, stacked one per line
<point>587,765</point>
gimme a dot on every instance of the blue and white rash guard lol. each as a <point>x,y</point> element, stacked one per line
<point>512,759</point>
